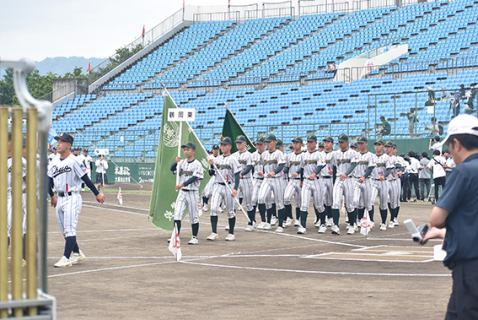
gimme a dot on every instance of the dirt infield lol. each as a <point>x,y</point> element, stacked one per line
<point>130,273</point>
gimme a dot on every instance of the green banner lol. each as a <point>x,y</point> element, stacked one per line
<point>232,129</point>
<point>163,197</point>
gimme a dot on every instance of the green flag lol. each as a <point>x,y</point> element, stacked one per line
<point>163,197</point>
<point>232,129</point>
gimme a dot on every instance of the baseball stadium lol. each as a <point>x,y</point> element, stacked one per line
<point>375,86</point>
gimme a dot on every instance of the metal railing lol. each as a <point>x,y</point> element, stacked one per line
<point>216,16</point>
<point>325,8</point>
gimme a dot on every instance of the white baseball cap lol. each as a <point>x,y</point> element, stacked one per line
<point>464,124</point>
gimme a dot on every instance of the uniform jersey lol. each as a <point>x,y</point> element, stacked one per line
<point>380,163</point>
<point>244,159</point>
<point>88,160</point>
<point>271,161</point>
<point>66,174</point>
<point>310,161</point>
<point>256,159</point>
<point>50,157</point>
<point>187,170</point>
<point>393,162</point>
<point>293,162</point>
<point>327,156</point>
<point>228,166</point>
<point>9,175</point>
<point>343,159</point>
<point>364,160</point>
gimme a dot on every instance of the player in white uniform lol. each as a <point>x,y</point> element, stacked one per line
<point>273,162</point>
<point>244,158</point>
<point>382,168</point>
<point>393,187</point>
<point>190,174</point>
<point>363,186</point>
<point>311,164</point>
<point>51,155</point>
<point>207,191</point>
<point>66,174</point>
<point>294,187</point>
<point>345,161</point>
<point>101,177</point>
<point>258,178</point>
<point>399,168</point>
<point>327,179</point>
<point>88,163</point>
<point>230,170</point>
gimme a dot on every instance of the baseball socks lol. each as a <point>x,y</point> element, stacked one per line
<point>288,210</point>
<point>303,218</point>
<point>282,216</point>
<point>270,212</point>
<point>214,224</point>
<point>252,216</point>
<point>232,223</point>
<point>195,227</point>
<point>352,217</point>
<point>297,213</point>
<point>370,213</point>
<point>178,224</point>
<point>317,215</point>
<point>262,211</point>
<point>69,245</point>
<point>383,214</point>
<point>322,217</point>
<point>336,216</point>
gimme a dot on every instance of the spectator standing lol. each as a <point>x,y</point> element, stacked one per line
<point>450,163</point>
<point>434,128</point>
<point>412,118</point>
<point>436,144</point>
<point>445,94</point>
<point>439,175</point>
<point>455,105</point>
<point>424,176</point>
<point>462,92</point>
<point>413,176</point>
<point>404,178</point>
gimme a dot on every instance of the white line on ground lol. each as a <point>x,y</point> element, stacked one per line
<point>88,240</point>
<point>115,205</point>
<point>134,213</point>
<point>109,230</point>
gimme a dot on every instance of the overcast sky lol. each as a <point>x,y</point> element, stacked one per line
<point>37,29</point>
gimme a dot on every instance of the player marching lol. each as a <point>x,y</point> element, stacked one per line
<point>382,168</point>
<point>294,187</point>
<point>230,170</point>
<point>284,180</point>
<point>65,175</point>
<point>345,161</point>
<point>363,186</point>
<point>88,163</point>
<point>258,178</point>
<point>273,162</point>
<point>244,158</point>
<point>326,178</point>
<point>207,191</point>
<point>190,173</point>
<point>396,184</point>
<point>310,166</point>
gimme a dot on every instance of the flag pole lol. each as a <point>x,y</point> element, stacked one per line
<point>227,108</point>
<point>215,167</point>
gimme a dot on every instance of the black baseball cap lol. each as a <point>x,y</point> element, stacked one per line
<point>312,138</point>
<point>226,140</point>
<point>86,150</point>
<point>270,138</point>
<point>189,145</point>
<point>394,145</point>
<point>65,137</point>
<point>328,138</point>
<point>389,143</point>
<point>241,138</point>
<point>279,143</point>
<point>354,145</point>
<point>343,137</point>
<point>260,140</point>
<point>380,142</point>
<point>291,147</point>
<point>362,139</point>
<point>321,144</point>
<point>215,146</point>
<point>298,139</point>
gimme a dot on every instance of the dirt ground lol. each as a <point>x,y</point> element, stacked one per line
<point>130,273</point>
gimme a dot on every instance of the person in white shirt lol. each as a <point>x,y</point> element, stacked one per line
<point>439,175</point>
<point>450,163</point>
<point>101,178</point>
<point>424,176</point>
<point>436,144</point>
<point>413,175</point>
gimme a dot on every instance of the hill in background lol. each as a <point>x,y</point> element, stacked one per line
<point>62,65</point>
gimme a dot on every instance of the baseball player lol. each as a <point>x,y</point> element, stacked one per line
<point>88,163</point>
<point>230,170</point>
<point>257,180</point>
<point>392,185</point>
<point>190,173</point>
<point>294,187</point>
<point>327,179</point>
<point>321,146</point>
<point>363,187</point>
<point>65,174</point>
<point>207,191</point>
<point>354,147</point>
<point>345,161</point>
<point>382,168</point>
<point>274,162</point>
<point>51,155</point>
<point>101,178</point>
<point>311,164</point>
<point>244,158</point>
<point>397,174</point>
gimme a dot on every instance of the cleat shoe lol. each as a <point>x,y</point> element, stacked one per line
<point>230,237</point>
<point>356,228</point>
<point>274,221</point>
<point>267,226</point>
<point>296,223</point>
<point>193,240</point>
<point>82,189</point>
<point>351,230</point>
<point>249,228</point>
<point>213,236</point>
<point>330,222</point>
<point>391,225</point>
<point>383,227</point>
<point>63,262</point>
<point>205,208</point>
<point>347,226</point>
<point>322,228</point>
<point>261,225</point>
<point>372,224</point>
<point>335,230</point>
<point>347,219</point>
<point>395,222</point>
<point>301,230</point>
<point>288,223</point>
<point>279,230</point>
<point>221,210</point>
<point>227,227</point>
<point>77,257</point>
<point>318,224</point>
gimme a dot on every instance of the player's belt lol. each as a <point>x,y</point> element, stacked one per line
<point>381,165</point>
<point>342,161</point>
<point>64,194</point>
<point>362,162</point>
<point>377,179</point>
<point>327,161</point>
<point>223,184</point>
<point>186,173</point>
<point>294,163</point>
<point>223,166</point>
<point>188,190</point>
<point>242,161</point>
<point>326,177</point>
<point>270,162</point>
<point>261,178</point>
<point>310,161</point>
<point>256,163</point>
<point>245,178</point>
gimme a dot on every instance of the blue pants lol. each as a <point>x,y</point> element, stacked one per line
<point>463,302</point>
